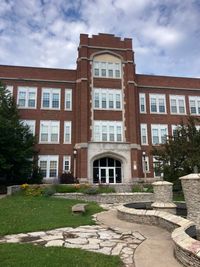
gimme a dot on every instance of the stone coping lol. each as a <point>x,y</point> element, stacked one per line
<point>109,197</point>
<point>187,249</point>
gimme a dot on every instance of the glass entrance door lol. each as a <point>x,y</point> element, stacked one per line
<point>107,175</point>
<point>107,171</point>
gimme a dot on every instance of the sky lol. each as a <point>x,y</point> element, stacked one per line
<point>45,33</point>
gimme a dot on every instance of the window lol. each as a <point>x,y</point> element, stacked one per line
<point>107,99</point>
<point>67,132</point>
<point>49,131</point>
<point>157,167</point>
<point>177,104</point>
<point>194,102</point>
<point>26,97</point>
<point>157,103</point>
<point>142,100</point>
<point>107,69</point>
<point>144,137</point>
<point>10,89</point>
<point>31,125</point>
<point>107,131</point>
<point>66,164</point>
<point>50,98</point>
<point>159,133</point>
<point>68,99</point>
<point>145,164</point>
<point>49,166</point>
<point>175,129</point>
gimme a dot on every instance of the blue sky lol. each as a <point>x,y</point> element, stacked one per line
<point>165,33</point>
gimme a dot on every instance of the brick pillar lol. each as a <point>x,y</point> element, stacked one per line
<point>191,189</point>
<point>163,197</point>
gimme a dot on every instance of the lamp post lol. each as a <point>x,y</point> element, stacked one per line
<point>75,155</point>
<point>144,164</point>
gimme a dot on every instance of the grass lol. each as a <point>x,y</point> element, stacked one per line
<point>142,188</point>
<point>178,196</point>
<point>28,214</point>
<point>23,255</point>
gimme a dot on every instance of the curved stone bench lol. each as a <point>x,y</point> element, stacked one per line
<point>187,249</point>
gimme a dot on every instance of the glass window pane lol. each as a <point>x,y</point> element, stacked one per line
<point>46,100</point>
<point>31,99</point>
<point>55,100</point>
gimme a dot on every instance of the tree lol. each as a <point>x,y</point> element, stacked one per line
<point>180,154</point>
<point>17,144</point>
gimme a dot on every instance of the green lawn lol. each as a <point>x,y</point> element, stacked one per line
<point>23,255</point>
<point>20,214</point>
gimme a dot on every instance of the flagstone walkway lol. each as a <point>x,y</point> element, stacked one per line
<point>112,237</point>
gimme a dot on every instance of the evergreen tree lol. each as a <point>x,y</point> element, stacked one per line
<point>180,154</point>
<point>17,144</point>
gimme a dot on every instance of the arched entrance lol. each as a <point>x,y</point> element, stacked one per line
<point>107,171</point>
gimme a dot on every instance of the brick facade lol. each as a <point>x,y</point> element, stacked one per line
<point>112,50</point>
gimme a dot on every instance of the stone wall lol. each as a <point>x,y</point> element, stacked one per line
<point>187,249</point>
<point>13,189</point>
<point>110,198</point>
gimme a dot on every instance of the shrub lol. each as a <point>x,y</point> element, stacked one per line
<point>36,177</point>
<point>137,188</point>
<point>91,191</point>
<point>67,178</point>
<point>49,191</point>
<point>33,190</point>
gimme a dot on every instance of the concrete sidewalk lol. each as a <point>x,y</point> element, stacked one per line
<point>155,251</point>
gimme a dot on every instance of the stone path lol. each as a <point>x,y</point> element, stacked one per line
<point>93,238</point>
<point>155,251</point>
<point>111,237</point>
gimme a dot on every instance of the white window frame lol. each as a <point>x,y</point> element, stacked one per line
<point>51,91</point>
<point>48,159</point>
<point>68,92</point>
<point>103,65</point>
<point>49,125</point>
<point>177,98</point>
<point>143,126</point>
<point>142,95</point>
<point>10,89</point>
<point>158,97</point>
<point>66,158</point>
<point>158,127</point>
<point>196,99</point>
<point>69,124</point>
<point>107,92</point>
<point>156,161</point>
<point>30,124</point>
<point>104,128</point>
<point>26,90</point>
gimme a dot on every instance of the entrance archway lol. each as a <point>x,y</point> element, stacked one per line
<point>107,171</point>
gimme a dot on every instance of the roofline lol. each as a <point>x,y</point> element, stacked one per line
<point>30,67</point>
<point>167,76</point>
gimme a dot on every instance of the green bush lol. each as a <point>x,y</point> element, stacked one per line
<point>91,191</point>
<point>49,191</point>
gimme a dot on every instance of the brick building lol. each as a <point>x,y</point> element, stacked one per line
<point>100,120</point>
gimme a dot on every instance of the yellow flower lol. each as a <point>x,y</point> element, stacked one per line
<point>24,186</point>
